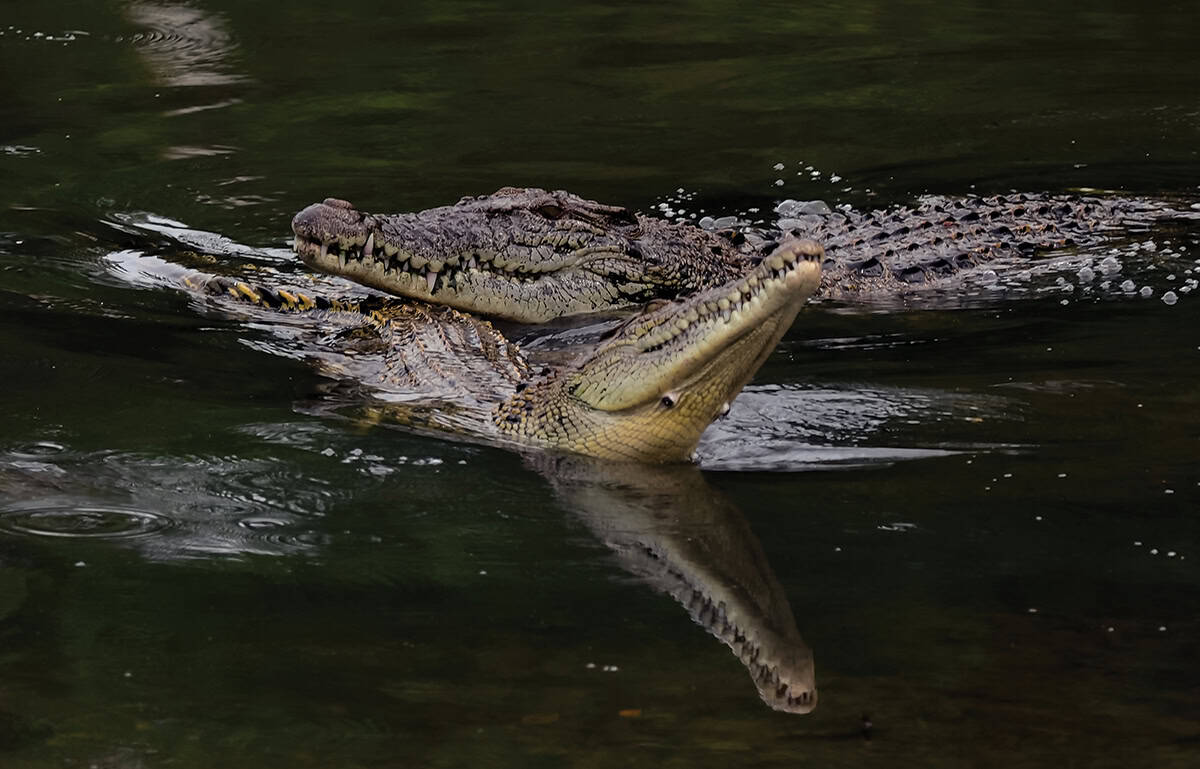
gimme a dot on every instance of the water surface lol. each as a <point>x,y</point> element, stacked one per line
<point>980,510</point>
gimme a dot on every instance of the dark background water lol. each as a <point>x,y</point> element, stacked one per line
<point>237,581</point>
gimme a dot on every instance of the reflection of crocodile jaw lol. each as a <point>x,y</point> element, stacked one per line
<point>672,529</point>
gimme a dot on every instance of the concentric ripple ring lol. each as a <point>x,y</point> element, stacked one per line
<point>81,521</point>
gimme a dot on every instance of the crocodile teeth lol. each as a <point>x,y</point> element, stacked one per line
<point>430,279</point>
<point>471,263</point>
<point>324,250</point>
<point>369,248</point>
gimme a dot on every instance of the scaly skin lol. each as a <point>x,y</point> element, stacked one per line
<point>530,255</point>
<point>524,255</point>
<point>645,393</point>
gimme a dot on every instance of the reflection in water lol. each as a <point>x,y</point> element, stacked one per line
<point>666,525</point>
<point>184,46</point>
<point>681,536</point>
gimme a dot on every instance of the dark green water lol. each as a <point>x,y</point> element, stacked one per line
<point>197,569</point>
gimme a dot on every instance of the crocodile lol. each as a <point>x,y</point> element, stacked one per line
<point>645,392</point>
<point>531,255</point>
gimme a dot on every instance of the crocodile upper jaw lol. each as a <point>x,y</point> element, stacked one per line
<point>543,256</point>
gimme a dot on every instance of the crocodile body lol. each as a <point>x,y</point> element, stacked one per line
<point>531,256</point>
<point>645,393</point>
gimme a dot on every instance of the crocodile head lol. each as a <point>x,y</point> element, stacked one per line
<point>648,391</point>
<point>521,254</point>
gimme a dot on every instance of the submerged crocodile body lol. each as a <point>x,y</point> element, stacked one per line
<point>531,255</point>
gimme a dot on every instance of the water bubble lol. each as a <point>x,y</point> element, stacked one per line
<point>1086,274</point>
<point>1146,292</point>
<point>778,166</point>
<point>779,182</point>
<point>1128,286</point>
<point>1109,265</point>
<point>1170,298</point>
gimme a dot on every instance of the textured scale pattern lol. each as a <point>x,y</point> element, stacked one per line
<point>532,255</point>
<point>890,251</point>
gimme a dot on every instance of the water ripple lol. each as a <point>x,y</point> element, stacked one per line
<point>185,46</point>
<point>167,507</point>
<point>92,522</point>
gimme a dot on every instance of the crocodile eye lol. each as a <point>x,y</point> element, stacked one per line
<point>669,400</point>
<point>550,210</point>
